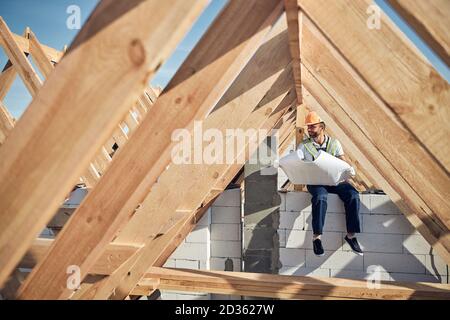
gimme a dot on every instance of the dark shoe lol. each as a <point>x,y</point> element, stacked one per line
<point>354,245</point>
<point>318,249</point>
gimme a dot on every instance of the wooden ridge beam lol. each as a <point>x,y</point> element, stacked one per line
<point>42,159</point>
<point>207,72</point>
<point>287,287</point>
<point>430,20</point>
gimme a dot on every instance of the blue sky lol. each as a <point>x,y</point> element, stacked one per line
<point>47,19</point>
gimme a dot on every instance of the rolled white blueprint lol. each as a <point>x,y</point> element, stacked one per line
<point>325,170</point>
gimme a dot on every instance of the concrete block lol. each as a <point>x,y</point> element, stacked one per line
<point>260,238</point>
<point>219,264</point>
<point>435,265</point>
<point>358,275</point>
<point>226,249</point>
<point>47,234</point>
<point>297,271</point>
<point>225,215</point>
<point>303,239</point>
<point>229,198</point>
<point>282,238</point>
<point>200,234</point>
<point>263,192</point>
<point>403,263</point>
<point>292,220</point>
<point>365,203</point>
<point>343,260</point>
<point>187,264</point>
<point>388,223</point>
<point>333,222</point>
<point>292,257</point>
<point>415,244</point>
<point>411,277</point>
<point>206,219</point>
<point>168,295</point>
<point>381,204</point>
<point>260,216</point>
<point>170,263</point>
<point>204,264</point>
<point>282,201</point>
<point>298,201</point>
<point>191,251</point>
<point>183,296</point>
<point>225,231</point>
<point>257,263</point>
<point>375,242</point>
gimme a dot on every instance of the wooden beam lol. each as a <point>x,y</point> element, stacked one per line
<point>19,60</point>
<point>390,65</point>
<point>7,78</point>
<point>286,287</point>
<point>207,72</point>
<point>39,56</point>
<point>6,123</point>
<point>24,44</point>
<point>293,17</point>
<point>430,20</point>
<point>42,159</point>
<point>114,256</point>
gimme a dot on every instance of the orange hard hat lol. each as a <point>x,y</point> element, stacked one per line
<point>312,118</point>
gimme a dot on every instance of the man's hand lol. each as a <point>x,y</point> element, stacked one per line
<point>343,158</point>
<point>352,172</point>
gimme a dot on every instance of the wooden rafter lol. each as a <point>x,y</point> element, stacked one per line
<point>42,159</point>
<point>24,43</point>
<point>285,287</point>
<point>216,66</point>
<point>19,60</point>
<point>114,256</point>
<point>39,56</point>
<point>6,123</point>
<point>430,20</point>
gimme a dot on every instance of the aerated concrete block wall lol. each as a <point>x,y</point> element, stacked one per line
<point>215,244</point>
<point>388,239</point>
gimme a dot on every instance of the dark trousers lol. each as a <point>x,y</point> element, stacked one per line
<point>347,193</point>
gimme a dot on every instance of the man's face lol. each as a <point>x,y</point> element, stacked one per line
<point>314,130</point>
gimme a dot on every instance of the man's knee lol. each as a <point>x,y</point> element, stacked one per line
<point>354,195</point>
<point>318,197</point>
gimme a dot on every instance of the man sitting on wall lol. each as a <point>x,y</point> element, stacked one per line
<point>310,147</point>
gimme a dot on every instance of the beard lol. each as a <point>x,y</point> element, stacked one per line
<point>313,134</point>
